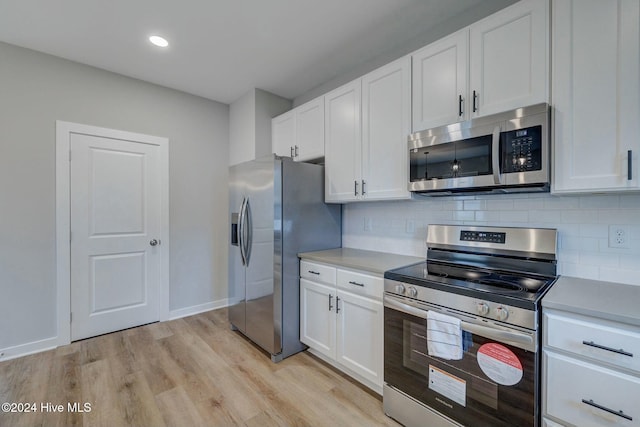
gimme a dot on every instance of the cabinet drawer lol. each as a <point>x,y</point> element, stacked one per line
<point>318,272</point>
<point>362,284</point>
<point>601,340</point>
<point>587,395</point>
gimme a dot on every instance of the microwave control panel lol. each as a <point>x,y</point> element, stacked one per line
<point>521,150</point>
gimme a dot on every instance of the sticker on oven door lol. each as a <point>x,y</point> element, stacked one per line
<point>448,385</point>
<point>500,364</point>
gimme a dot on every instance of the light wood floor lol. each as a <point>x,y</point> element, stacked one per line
<point>187,372</point>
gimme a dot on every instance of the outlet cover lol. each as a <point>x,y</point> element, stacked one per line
<point>619,236</point>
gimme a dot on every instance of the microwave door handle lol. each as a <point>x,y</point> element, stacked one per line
<point>495,156</point>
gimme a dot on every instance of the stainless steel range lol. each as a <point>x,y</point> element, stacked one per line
<point>462,329</point>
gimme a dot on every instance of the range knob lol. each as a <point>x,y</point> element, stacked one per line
<point>502,313</point>
<point>399,288</point>
<point>482,308</point>
<point>412,292</point>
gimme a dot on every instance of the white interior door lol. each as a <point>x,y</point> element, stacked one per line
<point>115,189</point>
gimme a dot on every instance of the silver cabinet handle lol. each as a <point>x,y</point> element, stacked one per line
<point>475,99</point>
<point>356,283</point>
<point>495,156</point>
<point>330,299</point>
<point>460,102</point>
<point>291,152</point>
<point>154,242</point>
<point>620,413</point>
<point>629,165</point>
<point>313,272</point>
<point>296,151</point>
<point>363,184</point>
<point>337,304</point>
<point>602,347</point>
<point>355,188</point>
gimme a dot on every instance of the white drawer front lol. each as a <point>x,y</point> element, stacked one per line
<point>318,272</point>
<point>359,283</point>
<point>596,339</point>
<point>570,381</point>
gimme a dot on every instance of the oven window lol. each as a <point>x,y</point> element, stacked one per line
<point>459,389</point>
<point>469,157</point>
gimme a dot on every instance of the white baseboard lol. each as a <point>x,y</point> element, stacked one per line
<point>195,309</point>
<point>28,348</point>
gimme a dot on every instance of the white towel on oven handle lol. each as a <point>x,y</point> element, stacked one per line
<point>444,336</point>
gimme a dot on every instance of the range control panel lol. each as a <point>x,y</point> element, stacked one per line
<point>483,236</point>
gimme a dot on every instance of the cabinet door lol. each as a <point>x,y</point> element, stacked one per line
<point>309,130</point>
<point>440,74</point>
<point>318,317</point>
<point>359,344</point>
<point>386,106</point>
<point>283,134</point>
<point>509,65</point>
<point>343,143</point>
<point>596,95</point>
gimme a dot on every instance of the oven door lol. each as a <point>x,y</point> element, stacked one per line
<point>495,384</point>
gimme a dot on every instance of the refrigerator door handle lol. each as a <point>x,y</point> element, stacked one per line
<point>241,225</point>
<point>249,225</point>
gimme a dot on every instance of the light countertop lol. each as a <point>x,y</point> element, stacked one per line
<point>607,300</point>
<point>370,261</point>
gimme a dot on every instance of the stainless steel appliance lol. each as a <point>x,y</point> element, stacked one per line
<point>506,152</point>
<point>492,279</point>
<point>277,210</point>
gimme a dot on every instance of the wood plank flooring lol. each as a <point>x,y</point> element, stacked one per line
<point>188,372</point>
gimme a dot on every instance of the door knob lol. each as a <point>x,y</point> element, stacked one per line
<point>154,242</point>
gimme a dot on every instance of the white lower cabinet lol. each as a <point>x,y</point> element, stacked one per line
<point>342,322</point>
<point>590,374</point>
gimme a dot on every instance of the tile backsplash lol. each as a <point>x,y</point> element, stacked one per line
<point>584,225</point>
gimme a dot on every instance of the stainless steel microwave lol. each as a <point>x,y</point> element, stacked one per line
<point>505,152</point>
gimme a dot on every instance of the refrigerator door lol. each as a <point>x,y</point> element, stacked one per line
<point>237,270</point>
<point>263,201</point>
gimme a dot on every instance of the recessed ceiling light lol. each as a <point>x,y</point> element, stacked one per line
<point>159,41</point>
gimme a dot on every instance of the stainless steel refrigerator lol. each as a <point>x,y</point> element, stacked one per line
<point>277,210</point>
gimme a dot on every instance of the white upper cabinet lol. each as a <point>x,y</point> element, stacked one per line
<point>283,134</point>
<point>497,64</point>
<point>366,126</point>
<point>299,133</point>
<point>440,82</point>
<point>509,65</point>
<point>386,123</point>
<point>309,141</point>
<point>343,143</point>
<point>596,95</point>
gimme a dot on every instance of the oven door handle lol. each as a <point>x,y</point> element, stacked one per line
<point>485,331</point>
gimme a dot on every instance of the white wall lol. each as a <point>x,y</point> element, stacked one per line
<point>38,89</point>
<point>582,223</point>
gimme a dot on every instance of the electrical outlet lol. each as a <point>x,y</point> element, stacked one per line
<point>411,226</point>
<point>619,236</point>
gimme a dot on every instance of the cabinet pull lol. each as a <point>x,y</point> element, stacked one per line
<point>460,101</point>
<point>337,304</point>
<point>296,151</point>
<point>355,188</point>
<point>291,152</point>
<point>330,299</point>
<point>356,283</point>
<point>475,98</point>
<point>363,183</point>
<point>602,347</point>
<point>313,272</point>
<point>629,165</point>
<point>620,413</point>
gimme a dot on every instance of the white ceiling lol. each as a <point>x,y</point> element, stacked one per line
<point>220,49</point>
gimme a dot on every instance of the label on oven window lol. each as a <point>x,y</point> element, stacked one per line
<point>500,364</point>
<point>448,385</point>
